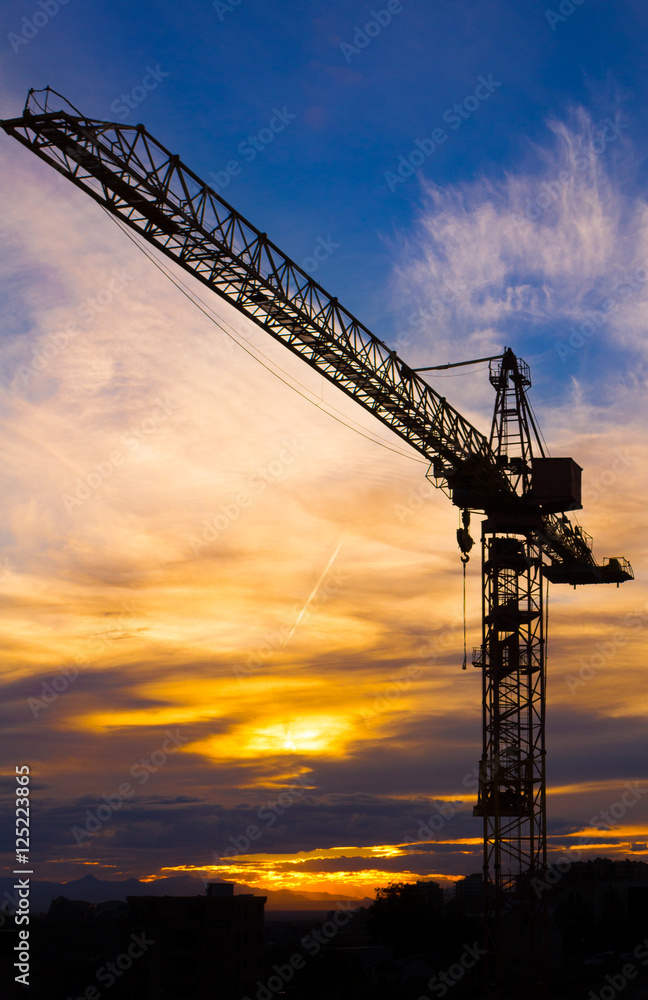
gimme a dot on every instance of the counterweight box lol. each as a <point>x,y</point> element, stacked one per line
<point>556,484</point>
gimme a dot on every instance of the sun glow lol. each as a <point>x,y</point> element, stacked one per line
<point>273,872</point>
<point>263,876</point>
<point>312,735</point>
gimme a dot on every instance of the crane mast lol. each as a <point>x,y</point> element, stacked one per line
<point>527,537</point>
<point>512,659</point>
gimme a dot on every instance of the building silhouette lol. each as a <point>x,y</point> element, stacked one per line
<point>204,946</point>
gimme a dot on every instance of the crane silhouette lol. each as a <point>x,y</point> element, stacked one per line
<point>526,538</point>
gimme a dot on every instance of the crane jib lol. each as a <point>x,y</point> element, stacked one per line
<point>141,183</point>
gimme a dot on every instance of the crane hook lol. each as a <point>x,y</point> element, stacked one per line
<point>465,543</point>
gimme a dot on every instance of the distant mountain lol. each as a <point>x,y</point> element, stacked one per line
<point>286,899</point>
<point>94,890</point>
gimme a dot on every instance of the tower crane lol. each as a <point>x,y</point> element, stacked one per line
<point>525,495</point>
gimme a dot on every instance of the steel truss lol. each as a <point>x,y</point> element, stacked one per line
<point>511,798</point>
<point>139,181</point>
<point>135,178</point>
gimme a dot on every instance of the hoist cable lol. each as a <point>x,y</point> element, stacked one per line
<point>465,658</point>
<point>205,310</point>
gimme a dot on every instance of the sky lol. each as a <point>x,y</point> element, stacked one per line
<point>232,628</point>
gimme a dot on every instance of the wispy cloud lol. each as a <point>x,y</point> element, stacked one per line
<point>536,251</point>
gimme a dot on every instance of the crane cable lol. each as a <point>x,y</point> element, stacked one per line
<point>465,657</point>
<point>546,631</point>
<point>205,310</point>
<point>463,534</point>
<point>465,543</point>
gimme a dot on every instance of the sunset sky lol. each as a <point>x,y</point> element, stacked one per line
<point>228,589</point>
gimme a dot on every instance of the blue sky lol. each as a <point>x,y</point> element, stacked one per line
<point>521,220</point>
<point>355,113</point>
